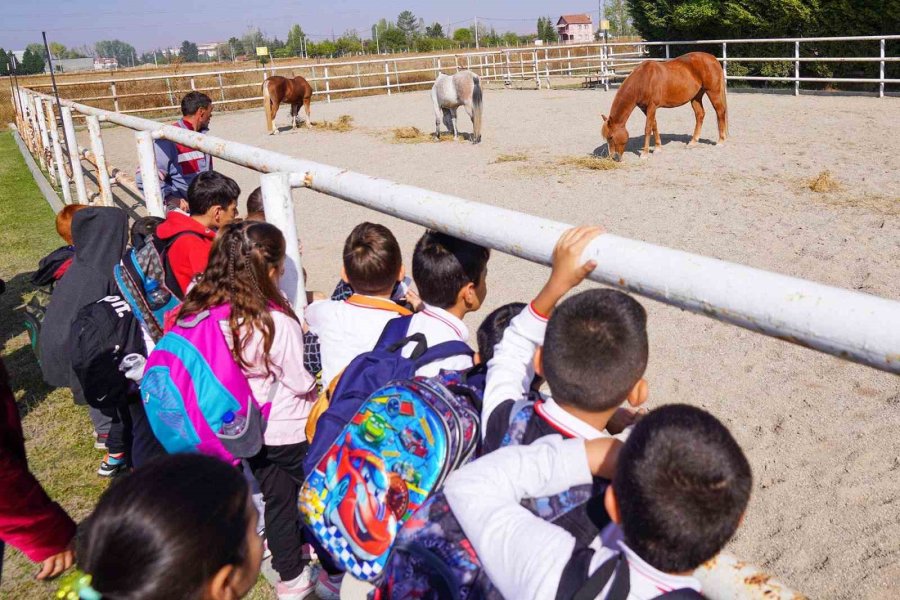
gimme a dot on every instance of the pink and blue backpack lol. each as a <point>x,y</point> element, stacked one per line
<point>193,387</point>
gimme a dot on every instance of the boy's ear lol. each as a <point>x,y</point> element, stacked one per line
<point>468,294</point>
<point>402,275</point>
<point>539,361</point>
<point>611,504</point>
<point>476,360</point>
<point>344,275</point>
<point>639,393</point>
<point>221,586</point>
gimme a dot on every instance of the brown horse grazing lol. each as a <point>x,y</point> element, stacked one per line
<point>278,89</point>
<point>667,84</point>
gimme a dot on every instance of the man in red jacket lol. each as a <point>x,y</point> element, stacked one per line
<point>212,199</point>
<point>29,520</point>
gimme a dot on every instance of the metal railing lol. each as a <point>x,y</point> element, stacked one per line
<point>846,324</point>
<point>603,61</point>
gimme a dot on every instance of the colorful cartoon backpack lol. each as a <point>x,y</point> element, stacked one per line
<point>196,397</point>
<point>396,451</point>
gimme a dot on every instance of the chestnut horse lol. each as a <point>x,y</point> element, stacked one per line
<point>278,89</point>
<point>667,84</point>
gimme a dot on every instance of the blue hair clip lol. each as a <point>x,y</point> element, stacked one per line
<point>77,586</point>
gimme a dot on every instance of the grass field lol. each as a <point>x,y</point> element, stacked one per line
<point>57,432</point>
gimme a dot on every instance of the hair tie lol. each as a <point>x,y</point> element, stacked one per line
<point>77,586</point>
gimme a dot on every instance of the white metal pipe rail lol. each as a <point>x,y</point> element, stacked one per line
<point>847,324</point>
<point>595,59</point>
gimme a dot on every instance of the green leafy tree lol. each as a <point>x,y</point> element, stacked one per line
<point>434,31</point>
<point>349,42</point>
<point>409,24</point>
<point>393,39</point>
<point>294,44</point>
<point>32,62</point>
<point>4,62</point>
<point>464,36</point>
<point>117,49</point>
<point>510,38</point>
<point>616,12</point>
<point>189,51</point>
<point>546,30</point>
<point>252,40</point>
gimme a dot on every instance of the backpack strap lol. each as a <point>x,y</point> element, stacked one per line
<point>163,247</point>
<point>442,351</point>
<point>395,330</point>
<point>378,303</point>
<point>682,594</point>
<point>519,415</point>
<point>616,569</point>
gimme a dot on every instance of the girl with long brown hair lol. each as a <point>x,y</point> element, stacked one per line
<point>266,338</point>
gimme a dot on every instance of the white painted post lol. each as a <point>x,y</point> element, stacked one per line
<point>358,77</point>
<point>74,155</point>
<point>93,125</point>
<point>327,87</point>
<point>387,77</point>
<point>193,87</point>
<point>62,176</point>
<point>279,206</point>
<point>45,138</point>
<point>169,88</point>
<point>396,77</point>
<point>147,161</point>
<point>221,88</point>
<point>667,52</point>
<point>537,71</point>
<point>881,71</point>
<point>569,56</point>
<point>508,68</point>
<point>725,62</point>
<point>314,82</point>
<point>35,134</point>
<point>112,90</point>
<point>797,68</point>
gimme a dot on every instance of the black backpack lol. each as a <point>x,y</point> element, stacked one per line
<point>103,333</point>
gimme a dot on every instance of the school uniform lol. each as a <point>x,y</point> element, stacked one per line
<point>348,328</point>
<point>439,326</point>
<point>509,377</point>
<point>503,533</point>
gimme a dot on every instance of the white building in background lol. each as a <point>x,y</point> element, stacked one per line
<point>70,65</point>
<point>105,64</point>
<point>209,50</point>
<point>575,29</point>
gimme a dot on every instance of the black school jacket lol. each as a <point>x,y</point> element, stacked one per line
<point>100,235</point>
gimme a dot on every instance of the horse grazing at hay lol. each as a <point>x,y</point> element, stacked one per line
<point>278,89</point>
<point>667,84</point>
<point>449,93</point>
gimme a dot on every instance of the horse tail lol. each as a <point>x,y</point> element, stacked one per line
<point>476,106</point>
<point>267,104</point>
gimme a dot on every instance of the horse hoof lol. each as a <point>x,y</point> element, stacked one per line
<point>692,144</point>
<point>645,155</point>
<point>720,143</point>
<point>656,150</point>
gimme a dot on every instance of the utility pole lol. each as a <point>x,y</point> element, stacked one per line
<point>377,47</point>
<point>476,33</point>
<point>155,62</point>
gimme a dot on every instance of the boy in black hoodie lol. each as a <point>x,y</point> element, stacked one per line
<point>100,235</point>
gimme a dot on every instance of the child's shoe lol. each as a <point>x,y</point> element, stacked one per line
<point>112,465</point>
<point>297,588</point>
<point>328,587</point>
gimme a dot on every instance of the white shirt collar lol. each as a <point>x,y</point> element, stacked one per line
<point>673,582</point>
<point>567,423</point>
<point>439,314</point>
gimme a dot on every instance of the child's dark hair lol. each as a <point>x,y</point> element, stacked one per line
<point>143,228</point>
<point>209,189</point>
<point>194,101</point>
<point>255,202</point>
<point>372,259</point>
<point>490,332</point>
<point>595,349</point>
<point>682,485</point>
<point>163,531</point>
<point>442,265</point>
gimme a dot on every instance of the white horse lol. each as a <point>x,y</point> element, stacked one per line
<point>451,92</point>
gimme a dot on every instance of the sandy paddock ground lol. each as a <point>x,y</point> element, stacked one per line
<point>821,434</point>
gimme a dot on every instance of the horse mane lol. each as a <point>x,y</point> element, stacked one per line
<point>624,101</point>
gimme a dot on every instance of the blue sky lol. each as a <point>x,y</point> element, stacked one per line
<point>165,23</point>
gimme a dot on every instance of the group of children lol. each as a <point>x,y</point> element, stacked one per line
<point>564,383</point>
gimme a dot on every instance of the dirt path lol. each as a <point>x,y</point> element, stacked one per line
<point>821,434</point>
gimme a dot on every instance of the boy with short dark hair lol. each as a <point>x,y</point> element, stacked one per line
<point>680,486</point>
<point>451,279</point>
<point>212,202</point>
<point>490,332</point>
<point>372,266</point>
<point>255,209</point>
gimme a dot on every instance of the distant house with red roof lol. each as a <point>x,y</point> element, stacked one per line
<point>575,29</point>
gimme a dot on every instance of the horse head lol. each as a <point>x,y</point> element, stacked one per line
<point>616,137</point>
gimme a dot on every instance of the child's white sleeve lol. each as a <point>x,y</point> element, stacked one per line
<point>511,369</point>
<point>523,555</point>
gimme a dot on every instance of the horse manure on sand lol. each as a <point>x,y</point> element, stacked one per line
<point>824,182</point>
